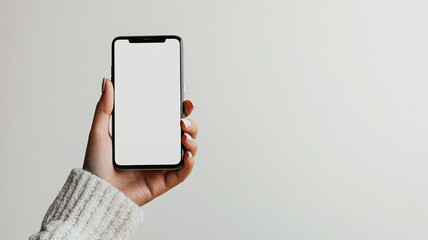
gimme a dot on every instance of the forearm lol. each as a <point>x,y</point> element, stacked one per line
<point>89,208</point>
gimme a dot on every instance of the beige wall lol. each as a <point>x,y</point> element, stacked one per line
<point>313,114</point>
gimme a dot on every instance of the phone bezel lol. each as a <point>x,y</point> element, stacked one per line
<point>142,39</point>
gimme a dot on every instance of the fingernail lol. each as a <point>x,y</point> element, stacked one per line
<point>189,154</point>
<point>188,137</point>
<point>191,104</point>
<point>186,122</point>
<point>103,85</point>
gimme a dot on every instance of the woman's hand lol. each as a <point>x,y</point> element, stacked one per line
<point>141,186</point>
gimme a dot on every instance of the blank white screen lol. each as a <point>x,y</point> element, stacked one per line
<point>147,103</point>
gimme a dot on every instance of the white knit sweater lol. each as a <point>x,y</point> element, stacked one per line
<point>89,208</point>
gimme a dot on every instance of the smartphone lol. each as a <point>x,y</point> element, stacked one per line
<point>147,77</point>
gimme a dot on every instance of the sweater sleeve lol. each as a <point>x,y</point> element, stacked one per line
<point>88,207</point>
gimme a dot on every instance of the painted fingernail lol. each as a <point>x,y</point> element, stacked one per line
<point>189,154</point>
<point>103,85</point>
<point>186,122</point>
<point>188,137</point>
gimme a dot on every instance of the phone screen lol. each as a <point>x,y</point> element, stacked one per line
<point>147,103</point>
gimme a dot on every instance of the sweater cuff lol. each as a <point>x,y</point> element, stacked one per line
<point>90,208</point>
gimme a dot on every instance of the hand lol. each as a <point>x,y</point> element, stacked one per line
<point>141,186</point>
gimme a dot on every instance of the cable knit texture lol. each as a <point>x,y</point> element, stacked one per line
<point>89,208</point>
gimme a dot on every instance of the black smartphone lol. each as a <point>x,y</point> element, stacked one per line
<point>147,74</point>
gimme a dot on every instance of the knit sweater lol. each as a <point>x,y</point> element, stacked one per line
<point>88,207</point>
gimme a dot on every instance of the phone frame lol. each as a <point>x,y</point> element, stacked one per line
<point>148,39</point>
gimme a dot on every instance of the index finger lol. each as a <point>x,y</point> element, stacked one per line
<point>188,107</point>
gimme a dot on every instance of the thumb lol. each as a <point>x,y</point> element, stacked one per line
<point>100,124</point>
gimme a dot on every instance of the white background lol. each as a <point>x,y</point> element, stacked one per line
<point>312,114</point>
